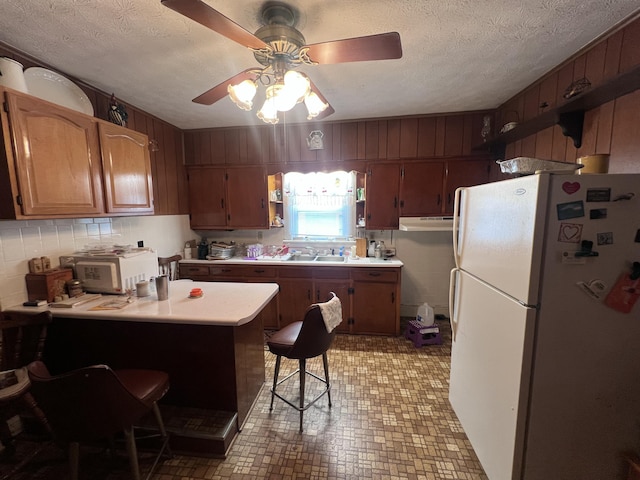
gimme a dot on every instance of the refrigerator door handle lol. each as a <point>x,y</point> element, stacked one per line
<point>452,293</point>
<point>456,223</point>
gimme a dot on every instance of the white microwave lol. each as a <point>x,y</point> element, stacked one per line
<point>111,273</point>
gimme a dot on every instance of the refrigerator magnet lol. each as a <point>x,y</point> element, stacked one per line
<point>570,187</point>
<point>624,196</point>
<point>570,233</point>
<point>604,238</point>
<point>570,210</point>
<point>598,194</point>
<point>595,288</point>
<point>597,213</point>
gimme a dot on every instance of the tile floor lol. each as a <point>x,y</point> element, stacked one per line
<point>390,420</point>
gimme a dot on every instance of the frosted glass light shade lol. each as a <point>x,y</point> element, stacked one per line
<point>314,105</point>
<point>243,93</point>
<point>269,113</point>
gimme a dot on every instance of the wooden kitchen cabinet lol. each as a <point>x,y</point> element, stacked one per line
<point>295,295</point>
<point>126,166</point>
<point>265,274</point>
<point>61,163</point>
<point>421,188</point>
<point>376,301</point>
<point>226,198</point>
<point>51,159</point>
<point>464,173</point>
<point>370,296</point>
<point>382,203</point>
<point>338,281</point>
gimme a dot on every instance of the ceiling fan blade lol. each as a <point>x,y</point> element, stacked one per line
<point>384,46</point>
<point>202,13</point>
<point>327,111</point>
<point>220,91</point>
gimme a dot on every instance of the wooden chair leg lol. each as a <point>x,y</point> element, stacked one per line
<point>132,452</point>
<point>31,403</point>
<point>275,381</point>
<point>74,460</point>
<point>303,375</point>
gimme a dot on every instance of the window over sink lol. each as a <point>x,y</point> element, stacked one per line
<point>319,206</point>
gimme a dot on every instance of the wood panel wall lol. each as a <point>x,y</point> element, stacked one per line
<point>169,174</point>
<point>347,144</point>
<point>613,127</point>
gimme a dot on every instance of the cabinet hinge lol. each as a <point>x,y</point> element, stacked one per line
<point>19,199</point>
<point>402,172</point>
<point>350,321</point>
<point>350,291</point>
<point>5,107</point>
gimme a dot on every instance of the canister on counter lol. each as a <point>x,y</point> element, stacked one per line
<point>74,287</point>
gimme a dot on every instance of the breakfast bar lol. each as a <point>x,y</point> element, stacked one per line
<point>212,347</point>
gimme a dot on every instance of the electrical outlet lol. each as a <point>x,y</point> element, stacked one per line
<point>140,243</point>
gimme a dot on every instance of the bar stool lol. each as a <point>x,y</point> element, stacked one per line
<point>169,266</point>
<point>95,403</point>
<point>302,340</point>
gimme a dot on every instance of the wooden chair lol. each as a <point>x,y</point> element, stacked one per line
<point>95,403</point>
<point>22,341</point>
<point>169,266</point>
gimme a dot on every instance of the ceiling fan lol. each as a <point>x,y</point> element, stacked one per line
<point>280,48</point>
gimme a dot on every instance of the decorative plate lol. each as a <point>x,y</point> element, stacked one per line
<point>55,88</point>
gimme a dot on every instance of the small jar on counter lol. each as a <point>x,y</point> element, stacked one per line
<point>74,287</point>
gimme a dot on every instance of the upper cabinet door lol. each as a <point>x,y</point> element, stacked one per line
<point>421,189</point>
<point>57,159</point>
<point>127,170</point>
<point>207,199</point>
<point>247,205</point>
<point>464,173</point>
<point>382,191</point>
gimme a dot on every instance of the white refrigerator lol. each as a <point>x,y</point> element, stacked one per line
<point>545,356</point>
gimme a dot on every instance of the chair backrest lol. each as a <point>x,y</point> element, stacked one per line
<point>86,404</point>
<point>313,339</point>
<point>169,266</point>
<point>23,337</point>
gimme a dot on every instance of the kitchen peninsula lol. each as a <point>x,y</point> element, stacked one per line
<point>212,347</point>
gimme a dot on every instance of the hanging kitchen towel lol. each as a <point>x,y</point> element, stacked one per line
<point>331,312</point>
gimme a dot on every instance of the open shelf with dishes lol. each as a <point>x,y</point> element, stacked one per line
<point>276,205</point>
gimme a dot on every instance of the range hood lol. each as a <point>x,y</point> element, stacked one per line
<point>426,224</point>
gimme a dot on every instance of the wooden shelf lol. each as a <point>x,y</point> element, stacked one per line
<point>570,115</point>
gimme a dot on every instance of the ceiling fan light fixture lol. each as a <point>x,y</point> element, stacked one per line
<point>315,106</point>
<point>268,113</point>
<point>243,93</point>
<point>297,85</point>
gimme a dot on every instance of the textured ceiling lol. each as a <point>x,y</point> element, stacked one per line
<point>458,55</point>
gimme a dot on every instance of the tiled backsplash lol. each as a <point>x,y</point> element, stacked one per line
<point>24,239</point>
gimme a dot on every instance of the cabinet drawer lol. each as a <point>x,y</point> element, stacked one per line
<point>225,271</point>
<point>187,271</point>
<point>375,274</point>
<point>328,272</point>
<point>258,271</point>
<point>295,272</point>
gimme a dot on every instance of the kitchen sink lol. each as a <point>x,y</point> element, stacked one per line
<point>330,258</point>
<point>302,258</point>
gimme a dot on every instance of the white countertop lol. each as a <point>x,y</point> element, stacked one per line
<point>223,304</point>
<point>268,260</point>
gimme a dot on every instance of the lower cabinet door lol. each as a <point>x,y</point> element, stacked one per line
<point>374,308</point>
<point>323,289</point>
<point>294,297</point>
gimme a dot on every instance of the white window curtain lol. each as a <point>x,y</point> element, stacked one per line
<point>319,205</point>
